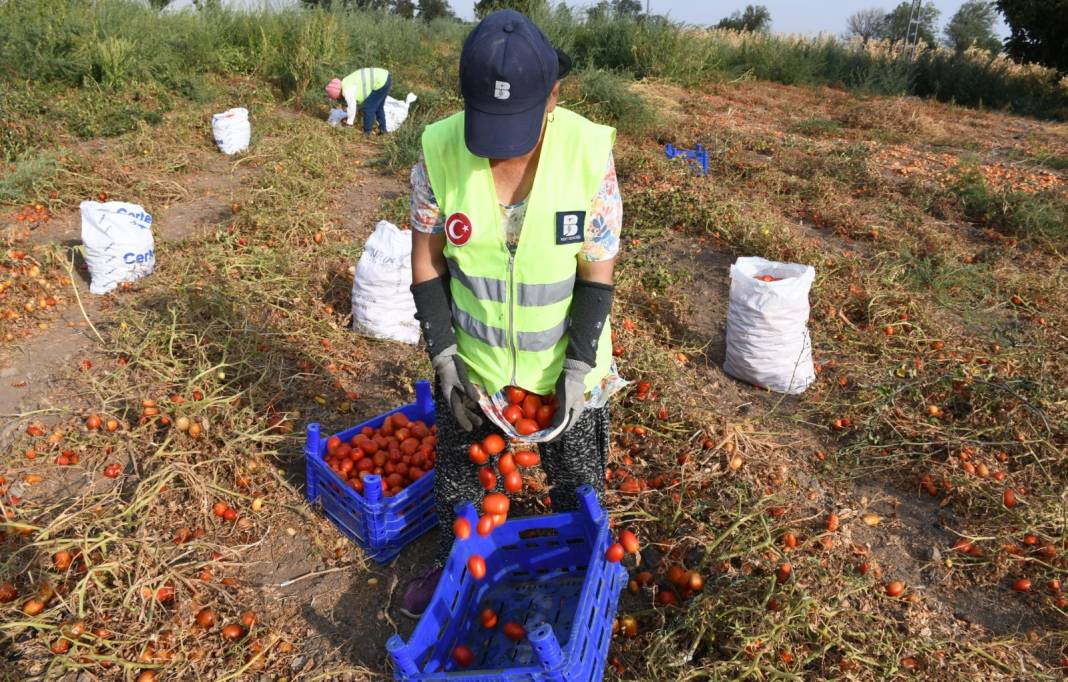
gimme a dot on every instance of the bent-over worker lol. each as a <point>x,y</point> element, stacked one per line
<point>364,89</point>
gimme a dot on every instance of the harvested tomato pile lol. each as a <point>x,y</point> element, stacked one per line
<point>26,291</point>
<point>38,213</point>
<point>401,451</point>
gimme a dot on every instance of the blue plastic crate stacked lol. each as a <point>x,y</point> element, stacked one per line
<point>381,525</point>
<point>548,574</point>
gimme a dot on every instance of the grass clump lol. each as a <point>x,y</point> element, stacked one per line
<point>1038,217</point>
<point>605,97</point>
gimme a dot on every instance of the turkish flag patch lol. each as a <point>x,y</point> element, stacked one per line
<point>458,229</point>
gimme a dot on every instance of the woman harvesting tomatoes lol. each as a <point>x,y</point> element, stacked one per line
<point>517,218</point>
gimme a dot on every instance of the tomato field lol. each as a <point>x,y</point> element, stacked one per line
<point>904,518</point>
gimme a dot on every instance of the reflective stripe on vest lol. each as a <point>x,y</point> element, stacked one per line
<point>511,311</point>
<point>364,82</point>
<point>491,289</point>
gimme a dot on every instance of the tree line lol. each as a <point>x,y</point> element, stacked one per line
<point>1038,28</point>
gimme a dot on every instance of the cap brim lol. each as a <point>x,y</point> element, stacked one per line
<point>502,136</point>
<point>565,63</point>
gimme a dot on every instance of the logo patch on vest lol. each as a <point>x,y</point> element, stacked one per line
<point>458,229</point>
<point>570,227</point>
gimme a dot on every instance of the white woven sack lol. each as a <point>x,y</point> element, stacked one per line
<point>382,303</point>
<point>232,130</point>
<point>397,111</point>
<point>118,243</point>
<point>767,325</point>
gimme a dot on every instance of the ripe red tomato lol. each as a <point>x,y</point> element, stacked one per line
<point>506,464</point>
<point>219,508</point>
<point>614,553</point>
<point>493,444</point>
<point>512,414</point>
<point>629,541</point>
<point>476,565</point>
<point>489,619</point>
<point>513,482</point>
<point>514,631</point>
<point>463,655</point>
<point>487,478</point>
<point>495,503</point>
<point>498,519</point>
<point>485,525</point>
<point>332,444</point>
<point>544,417</point>
<point>461,528</point>
<point>515,395</point>
<point>527,459</point>
<point>531,405</point>
<point>113,470</point>
<point>525,427</point>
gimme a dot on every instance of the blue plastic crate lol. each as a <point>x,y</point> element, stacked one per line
<point>382,526</point>
<point>697,156</point>
<point>548,574</point>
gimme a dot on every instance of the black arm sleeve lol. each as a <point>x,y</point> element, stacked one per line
<point>433,309</point>
<point>590,304</point>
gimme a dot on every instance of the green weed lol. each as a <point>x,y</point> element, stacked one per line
<point>604,96</point>
<point>22,183</point>
<point>1042,218</point>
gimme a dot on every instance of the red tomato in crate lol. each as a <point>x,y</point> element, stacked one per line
<point>514,631</point>
<point>463,655</point>
<point>476,565</point>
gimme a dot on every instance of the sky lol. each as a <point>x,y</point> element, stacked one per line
<point>788,16</point>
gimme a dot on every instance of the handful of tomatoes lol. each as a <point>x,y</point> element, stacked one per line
<point>401,451</point>
<point>528,412</point>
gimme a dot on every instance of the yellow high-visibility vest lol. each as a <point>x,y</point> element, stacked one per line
<point>363,82</point>
<point>511,312</point>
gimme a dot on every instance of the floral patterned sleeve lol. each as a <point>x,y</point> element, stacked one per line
<point>605,224</point>
<point>425,213</point>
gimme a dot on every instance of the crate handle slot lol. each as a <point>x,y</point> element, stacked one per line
<point>538,533</point>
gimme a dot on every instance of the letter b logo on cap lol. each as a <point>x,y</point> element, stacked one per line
<point>502,90</point>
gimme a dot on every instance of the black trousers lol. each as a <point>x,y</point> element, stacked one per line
<point>577,458</point>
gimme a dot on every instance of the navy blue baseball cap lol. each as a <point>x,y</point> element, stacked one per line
<point>507,71</point>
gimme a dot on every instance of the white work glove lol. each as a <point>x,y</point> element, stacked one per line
<point>457,390</point>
